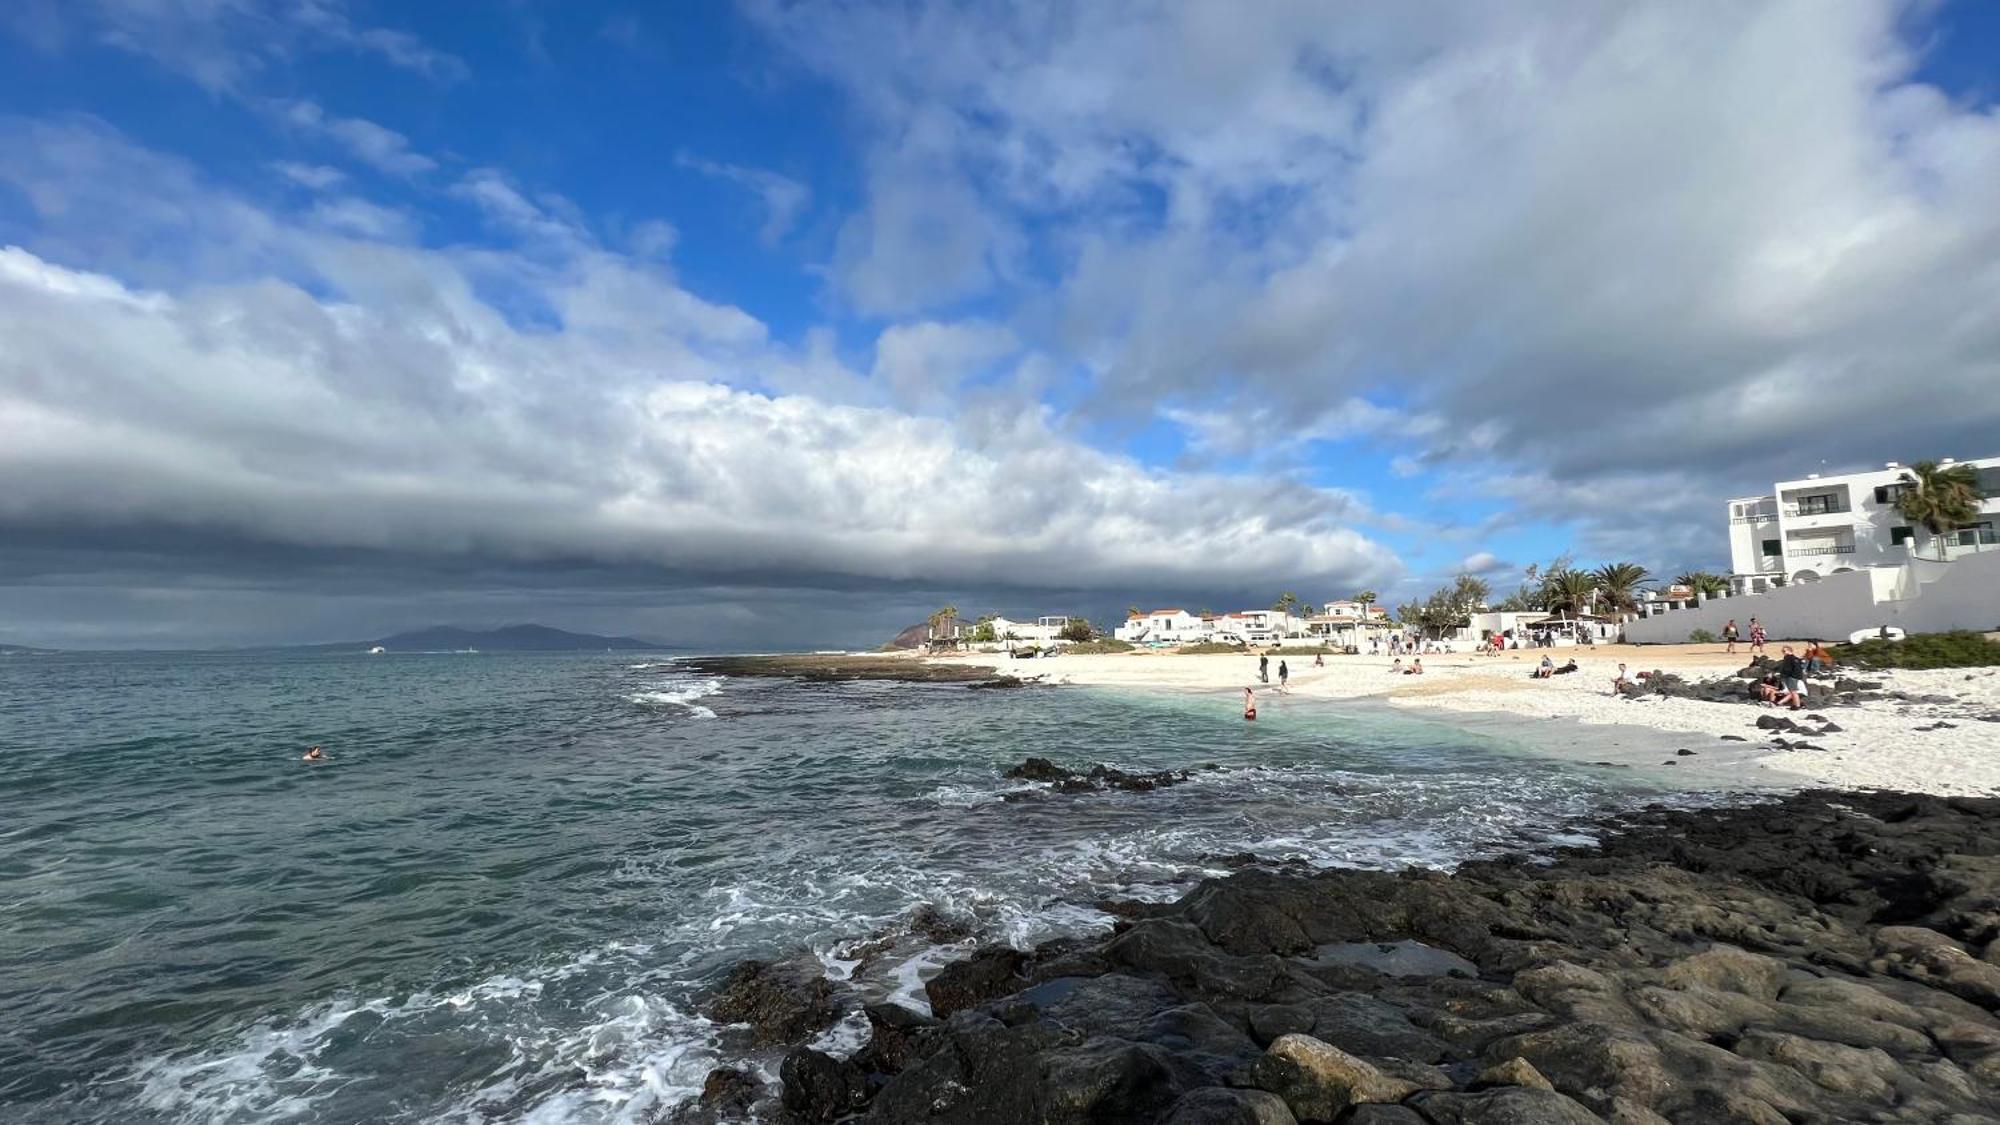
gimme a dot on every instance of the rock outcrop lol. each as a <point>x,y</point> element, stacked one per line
<point>1829,957</point>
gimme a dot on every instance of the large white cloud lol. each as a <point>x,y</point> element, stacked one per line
<point>324,389</point>
<point>1654,245</point>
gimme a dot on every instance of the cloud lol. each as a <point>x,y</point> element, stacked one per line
<point>926,362</point>
<point>380,148</point>
<point>221,44</point>
<point>317,177</point>
<point>382,404</point>
<point>784,198</point>
<point>1649,243</point>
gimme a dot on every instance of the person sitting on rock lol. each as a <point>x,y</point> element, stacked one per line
<point>1767,689</point>
<point>1619,681</point>
<point>1792,676</point>
<point>1546,668</point>
<point>1818,660</point>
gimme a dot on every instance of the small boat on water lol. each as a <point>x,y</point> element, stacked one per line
<point>377,650</point>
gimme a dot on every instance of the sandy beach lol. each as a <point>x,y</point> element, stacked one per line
<point>1947,748</point>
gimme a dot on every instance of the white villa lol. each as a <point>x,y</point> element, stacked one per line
<point>1807,529</point>
<point>1344,622</point>
<point>1041,631</point>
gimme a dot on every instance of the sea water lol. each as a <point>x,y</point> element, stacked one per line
<point>507,893</point>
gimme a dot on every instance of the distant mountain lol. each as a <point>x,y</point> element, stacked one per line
<point>513,638</point>
<point>19,650</point>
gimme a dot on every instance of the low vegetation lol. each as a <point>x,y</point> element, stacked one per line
<point>1210,648</point>
<point>1701,637</point>
<point>1302,650</point>
<point>1925,650</point>
<point>1091,648</point>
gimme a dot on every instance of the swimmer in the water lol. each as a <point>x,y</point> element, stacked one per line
<point>314,755</point>
<point>1249,704</point>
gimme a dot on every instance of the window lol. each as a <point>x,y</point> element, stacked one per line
<point>1901,535</point>
<point>1890,493</point>
<point>1820,505</point>
<point>1972,534</point>
<point>1772,548</point>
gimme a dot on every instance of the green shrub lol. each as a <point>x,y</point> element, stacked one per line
<point>1961,649</point>
<point>1088,648</point>
<point>1303,650</point>
<point>1211,648</point>
<point>1701,637</point>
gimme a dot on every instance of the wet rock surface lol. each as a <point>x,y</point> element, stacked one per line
<point>1099,778</point>
<point>1829,957</point>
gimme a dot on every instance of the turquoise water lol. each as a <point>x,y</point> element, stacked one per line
<point>504,896</point>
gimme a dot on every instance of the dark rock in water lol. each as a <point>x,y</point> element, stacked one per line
<point>1684,752</point>
<point>989,973</point>
<point>820,1088</point>
<point>894,1032</point>
<point>1097,778</point>
<point>727,1094</point>
<point>930,923</point>
<point>782,1001</point>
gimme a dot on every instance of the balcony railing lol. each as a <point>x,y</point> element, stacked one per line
<point>1809,552</point>
<point>1816,509</point>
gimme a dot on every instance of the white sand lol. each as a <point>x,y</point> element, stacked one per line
<point>1880,744</point>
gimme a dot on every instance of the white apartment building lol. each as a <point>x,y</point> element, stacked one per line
<point>1826,524</point>
<point>1042,630</point>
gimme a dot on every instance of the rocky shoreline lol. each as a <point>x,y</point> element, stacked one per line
<point>838,667</point>
<point>1827,957</point>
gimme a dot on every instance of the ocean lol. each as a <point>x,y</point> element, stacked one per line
<point>506,894</point>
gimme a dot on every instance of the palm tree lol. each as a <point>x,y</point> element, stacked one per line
<point>1286,603</point>
<point>1703,584</point>
<point>938,619</point>
<point>1568,591</point>
<point>1619,583</point>
<point>1131,611</point>
<point>1940,497</point>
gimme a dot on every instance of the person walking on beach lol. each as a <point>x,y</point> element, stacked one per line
<point>1249,705</point>
<point>1319,660</point>
<point>1756,636</point>
<point>1284,675</point>
<point>1791,677</point>
<point>1729,636</point>
<point>1264,668</point>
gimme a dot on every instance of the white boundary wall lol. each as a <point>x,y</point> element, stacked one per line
<point>1924,596</point>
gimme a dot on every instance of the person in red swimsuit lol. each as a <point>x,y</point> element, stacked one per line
<point>1249,705</point>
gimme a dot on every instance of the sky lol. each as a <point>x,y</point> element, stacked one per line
<point>775,324</point>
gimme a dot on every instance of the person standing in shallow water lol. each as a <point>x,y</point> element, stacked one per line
<point>1264,668</point>
<point>1249,705</point>
<point>1284,675</point>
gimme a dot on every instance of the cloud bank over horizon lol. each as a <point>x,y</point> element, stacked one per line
<point>987,304</point>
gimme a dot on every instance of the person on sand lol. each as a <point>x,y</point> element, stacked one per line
<point>314,754</point>
<point>1619,681</point>
<point>1395,665</point>
<point>1416,667</point>
<point>1729,636</point>
<point>1264,668</point>
<point>1792,675</point>
<point>1756,636</point>
<point>1546,668</point>
<point>1249,705</point>
<point>1284,675</point>
<point>1319,660</point>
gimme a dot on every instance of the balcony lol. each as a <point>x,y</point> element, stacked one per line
<point>1811,509</point>
<point>1814,552</point>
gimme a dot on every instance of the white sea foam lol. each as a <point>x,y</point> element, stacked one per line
<point>680,693</point>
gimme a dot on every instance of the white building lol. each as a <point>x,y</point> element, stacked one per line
<point>1164,626</point>
<point>1041,631</point>
<point>1349,623</point>
<point>1826,524</point>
